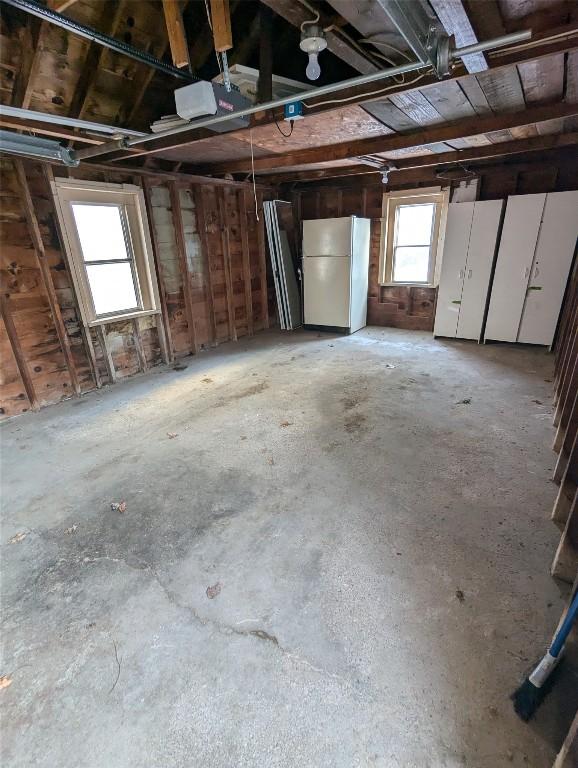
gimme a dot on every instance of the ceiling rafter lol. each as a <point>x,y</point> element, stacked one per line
<point>380,144</point>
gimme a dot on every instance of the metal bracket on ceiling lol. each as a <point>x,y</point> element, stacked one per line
<point>422,31</point>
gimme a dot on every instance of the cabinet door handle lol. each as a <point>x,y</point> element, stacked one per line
<point>535,288</point>
<point>469,273</point>
<point>456,302</point>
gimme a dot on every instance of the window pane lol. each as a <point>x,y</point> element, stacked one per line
<point>112,287</point>
<point>414,224</point>
<point>411,264</point>
<point>100,232</point>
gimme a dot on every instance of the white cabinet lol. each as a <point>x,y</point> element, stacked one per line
<point>536,250</point>
<point>335,273</point>
<point>469,249</point>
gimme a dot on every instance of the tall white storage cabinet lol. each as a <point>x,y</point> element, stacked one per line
<point>335,273</point>
<point>469,250</point>
<point>534,259</point>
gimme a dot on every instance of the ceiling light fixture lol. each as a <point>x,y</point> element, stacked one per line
<point>312,43</point>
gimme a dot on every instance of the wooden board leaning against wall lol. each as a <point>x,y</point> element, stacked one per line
<point>212,284</point>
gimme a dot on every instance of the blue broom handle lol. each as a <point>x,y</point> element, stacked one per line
<point>564,630</point>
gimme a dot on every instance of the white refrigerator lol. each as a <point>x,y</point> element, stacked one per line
<point>335,273</point>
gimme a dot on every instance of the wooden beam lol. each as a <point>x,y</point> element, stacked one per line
<point>265,83</point>
<point>455,20</point>
<point>382,144</point>
<point>262,260</point>
<point>38,245</point>
<point>183,263</point>
<point>163,327</point>
<point>243,202</point>
<point>201,216</point>
<point>46,129</point>
<point>21,364</point>
<point>60,7</point>
<point>142,361</point>
<point>176,33</point>
<point>555,41</point>
<point>221,192</point>
<point>108,361</point>
<point>296,13</point>
<point>221,21</point>
<point>95,59</point>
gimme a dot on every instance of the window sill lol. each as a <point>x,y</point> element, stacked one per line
<point>407,285</point>
<point>121,318</point>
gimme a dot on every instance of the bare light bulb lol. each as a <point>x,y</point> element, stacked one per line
<point>313,69</point>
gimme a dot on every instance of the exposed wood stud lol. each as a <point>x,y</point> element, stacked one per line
<point>200,210</point>
<point>89,346</point>
<point>108,361</point>
<point>16,347</point>
<point>142,361</point>
<point>243,203</point>
<point>176,33</point>
<point>265,82</point>
<point>221,20</point>
<point>262,261</point>
<point>184,265</point>
<point>222,200</point>
<point>38,245</point>
<point>163,321</point>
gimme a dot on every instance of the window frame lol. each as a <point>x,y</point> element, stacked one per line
<point>130,199</point>
<point>391,202</point>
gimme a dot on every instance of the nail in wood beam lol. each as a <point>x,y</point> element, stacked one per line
<point>38,245</point>
<point>21,363</point>
<point>244,202</point>
<point>263,262</point>
<point>183,263</point>
<point>200,213</point>
<point>163,321</point>
<point>221,195</point>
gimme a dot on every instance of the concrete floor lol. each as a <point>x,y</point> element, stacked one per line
<point>381,548</point>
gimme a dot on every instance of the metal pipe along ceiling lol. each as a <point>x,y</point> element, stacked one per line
<point>47,14</point>
<point>71,122</point>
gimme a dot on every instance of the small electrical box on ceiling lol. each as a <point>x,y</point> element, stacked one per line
<point>203,99</point>
<point>293,111</point>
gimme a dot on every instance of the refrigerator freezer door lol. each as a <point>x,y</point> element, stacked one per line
<point>327,237</point>
<point>326,287</point>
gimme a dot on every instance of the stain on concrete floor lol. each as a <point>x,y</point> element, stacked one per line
<point>339,544</point>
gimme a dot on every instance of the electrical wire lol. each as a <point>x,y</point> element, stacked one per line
<point>365,95</point>
<point>286,135</point>
<point>312,10</point>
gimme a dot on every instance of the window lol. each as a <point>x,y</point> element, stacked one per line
<point>107,241</point>
<point>413,224</point>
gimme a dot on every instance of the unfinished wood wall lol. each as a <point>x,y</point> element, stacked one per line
<point>413,308</point>
<point>210,259</point>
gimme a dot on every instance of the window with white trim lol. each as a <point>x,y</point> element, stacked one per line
<point>412,232</point>
<point>108,244</point>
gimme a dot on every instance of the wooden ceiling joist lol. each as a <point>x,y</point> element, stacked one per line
<point>347,51</point>
<point>381,144</point>
<point>176,33</point>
